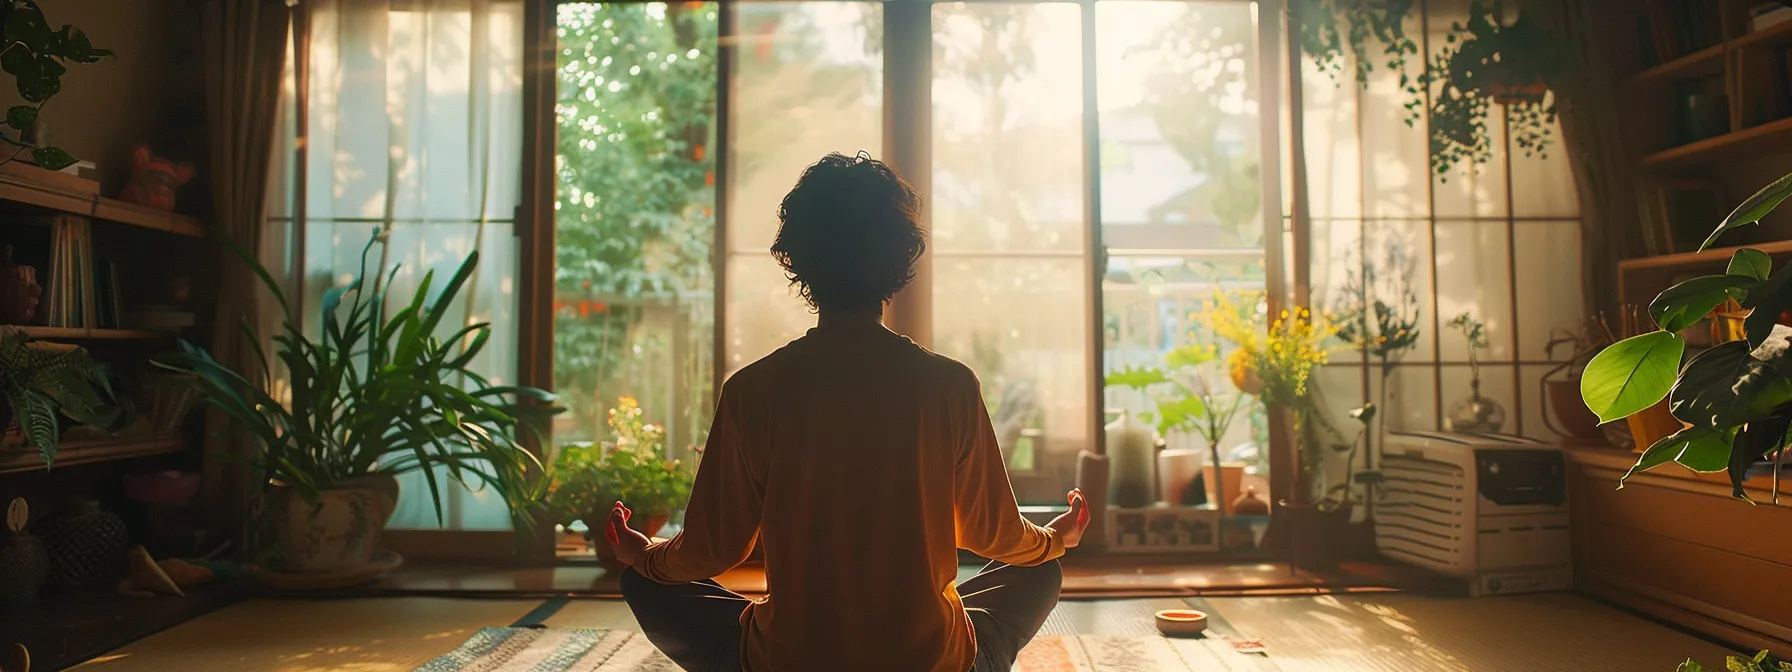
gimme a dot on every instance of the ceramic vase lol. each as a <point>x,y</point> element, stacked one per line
<point>1130,455</point>
<point>23,563</point>
<point>86,547</point>
<point>339,530</point>
<point>1178,473</point>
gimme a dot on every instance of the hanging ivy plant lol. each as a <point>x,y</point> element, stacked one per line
<point>1484,62</point>
<point>1487,62</point>
<point>1328,27</point>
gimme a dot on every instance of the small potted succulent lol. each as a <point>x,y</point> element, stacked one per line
<point>586,478</point>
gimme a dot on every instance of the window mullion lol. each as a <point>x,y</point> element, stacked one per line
<point>908,140</point>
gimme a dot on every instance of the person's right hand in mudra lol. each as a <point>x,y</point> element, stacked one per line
<point>1069,526</point>
<point>628,543</point>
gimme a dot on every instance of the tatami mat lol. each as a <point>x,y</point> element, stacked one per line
<point>1320,633</point>
<point>1403,632</point>
<point>369,635</point>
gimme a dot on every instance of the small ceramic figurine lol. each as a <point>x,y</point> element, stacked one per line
<point>154,180</point>
<point>19,291</point>
<point>1248,504</point>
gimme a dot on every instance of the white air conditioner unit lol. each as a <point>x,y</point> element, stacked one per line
<point>1488,508</point>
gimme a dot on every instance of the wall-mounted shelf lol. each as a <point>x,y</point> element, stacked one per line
<point>79,333</point>
<point>1756,140</point>
<point>1705,62</point>
<point>15,458</point>
<point>39,188</point>
<point>1716,255</point>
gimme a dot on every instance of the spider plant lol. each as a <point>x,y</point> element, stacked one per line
<point>378,394</point>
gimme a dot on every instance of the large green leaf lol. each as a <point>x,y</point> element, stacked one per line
<point>1755,440</point>
<point>1668,448</point>
<point>1631,375</point>
<point>1686,303</point>
<point>1753,209</point>
<point>25,24</point>
<point>1724,386</point>
<point>1711,454</point>
<point>1750,262</point>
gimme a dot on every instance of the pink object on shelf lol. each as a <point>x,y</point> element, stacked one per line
<point>161,487</point>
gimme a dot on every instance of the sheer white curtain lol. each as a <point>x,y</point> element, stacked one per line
<point>415,118</point>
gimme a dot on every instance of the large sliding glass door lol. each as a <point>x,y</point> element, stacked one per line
<point>644,185</point>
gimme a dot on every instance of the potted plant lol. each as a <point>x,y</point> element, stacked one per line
<point>1561,383</point>
<point>1488,61</point>
<point>1761,662</point>
<point>1475,413</point>
<point>1378,315</point>
<point>376,394</point>
<point>586,478</point>
<point>1191,394</point>
<point>36,57</point>
<point>1485,61</point>
<point>1734,399</point>
<point>1276,361</point>
<point>41,383</point>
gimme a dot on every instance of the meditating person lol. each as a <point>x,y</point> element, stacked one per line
<point>860,463</point>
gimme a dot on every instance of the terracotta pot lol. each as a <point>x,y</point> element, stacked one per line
<point>1564,399</point>
<point>646,523</point>
<point>1231,476</point>
<point>1507,94</point>
<point>340,530</point>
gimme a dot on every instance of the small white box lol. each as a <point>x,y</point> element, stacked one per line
<point>1163,529</point>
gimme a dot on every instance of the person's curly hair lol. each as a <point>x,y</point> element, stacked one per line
<point>849,233</point>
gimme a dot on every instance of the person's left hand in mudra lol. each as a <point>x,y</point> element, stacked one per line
<point>627,543</point>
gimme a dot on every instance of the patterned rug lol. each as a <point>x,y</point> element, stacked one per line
<point>580,650</point>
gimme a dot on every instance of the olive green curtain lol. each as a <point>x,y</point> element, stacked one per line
<point>245,57</point>
<point>1604,164</point>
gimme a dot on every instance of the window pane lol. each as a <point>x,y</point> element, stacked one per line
<point>1546,261</point>
<point>1181,208</point>
<point>807,80</point>
<point>1010,266</point>
<point>413,119</point>
<point>1473,276</point>
<point>633,215</point>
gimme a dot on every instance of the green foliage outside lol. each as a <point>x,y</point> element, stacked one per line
<point>634,199</point>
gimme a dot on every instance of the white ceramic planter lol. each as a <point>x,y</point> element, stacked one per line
<point>340,530</point>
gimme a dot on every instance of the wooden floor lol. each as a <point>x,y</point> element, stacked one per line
<point>1317,633</point>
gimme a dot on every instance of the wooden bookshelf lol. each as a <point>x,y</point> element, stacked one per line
<point>1702,63</point>
<point>50,192</point>
<point>1719,256</point>
<point>83,334</point>
<point>15,458</point>
<point>1771,137</point>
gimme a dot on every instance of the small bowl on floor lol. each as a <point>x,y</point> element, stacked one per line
<point>1181,622</point>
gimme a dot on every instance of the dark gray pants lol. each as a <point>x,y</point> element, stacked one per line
<point>697,624</point>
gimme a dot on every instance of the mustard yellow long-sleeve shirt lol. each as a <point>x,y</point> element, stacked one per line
<point>860,462</point>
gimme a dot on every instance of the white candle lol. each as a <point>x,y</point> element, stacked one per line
<point>1129,460</point>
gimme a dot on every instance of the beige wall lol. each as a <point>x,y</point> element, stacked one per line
<point>105,108</point>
